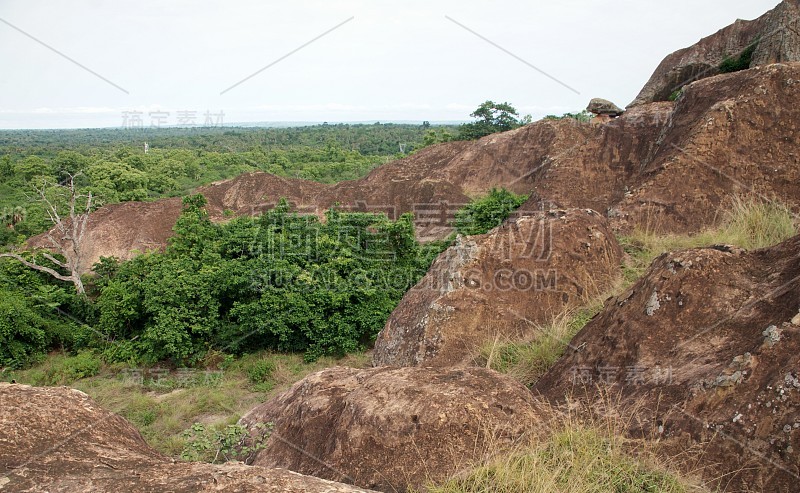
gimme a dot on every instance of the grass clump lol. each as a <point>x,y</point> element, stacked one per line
<point>576,458</point>
<point>528,361</point>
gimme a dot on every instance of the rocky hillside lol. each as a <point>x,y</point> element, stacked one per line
<point>705,349</point>
<point>722,132</point>
<point>773,38</point>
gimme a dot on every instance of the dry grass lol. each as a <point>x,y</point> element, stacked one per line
<point>577,456</point>
<point>748,222</point>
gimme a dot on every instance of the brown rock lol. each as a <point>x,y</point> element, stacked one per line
<point>58,439</point>
<point>505,284</point>
<point>600,106</point>
<point>716,361</point>
<point>393,428</point>
<point>778,36</point>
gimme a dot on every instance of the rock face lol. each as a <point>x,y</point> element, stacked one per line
<point>600,106</point>
<point>502,285</point>
<point>393,428</point>
<point>777,34</point>
<point>58,439</point>
<point>702,350</point>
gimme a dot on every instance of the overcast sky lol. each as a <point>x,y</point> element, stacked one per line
<point>410,60</point>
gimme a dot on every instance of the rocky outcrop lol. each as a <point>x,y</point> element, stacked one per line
<point>504,285</point>
<point>58,439</point>
<point>600,106</point>
<point>393,428</point>
<point>776,36</point>
<point>702,350</point>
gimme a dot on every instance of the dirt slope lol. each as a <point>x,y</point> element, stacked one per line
<point>58,439</point>
<point>702,349</point>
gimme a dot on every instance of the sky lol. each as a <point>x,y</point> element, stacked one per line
<point>93,63</point>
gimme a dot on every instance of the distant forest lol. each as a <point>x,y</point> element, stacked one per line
<point>113,165</point>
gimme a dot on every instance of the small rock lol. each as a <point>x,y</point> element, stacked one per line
<point>787,429</point>
<point>796,319</point>
<point>772,335</point>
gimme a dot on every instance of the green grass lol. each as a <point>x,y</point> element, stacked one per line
<point>163,404</point>
<point>576,458</point>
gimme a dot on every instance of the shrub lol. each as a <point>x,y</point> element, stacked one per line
<point>222,445</point>
<point>260,375</point>
<point>71,368</point>
<point>481,215</point>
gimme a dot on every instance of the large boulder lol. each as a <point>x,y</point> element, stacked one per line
<point>776,36</point>
<point>59,439</point>
<point>393,428</point>
<point>504,285</point>
<point>702,350</point>
<point>600,106</point>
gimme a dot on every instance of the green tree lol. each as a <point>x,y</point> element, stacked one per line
<point>492,117</point>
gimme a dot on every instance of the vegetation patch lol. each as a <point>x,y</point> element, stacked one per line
<point>742,62</point>
<point>483,214</point>
<point>528,361</point>
<point>577,459</point>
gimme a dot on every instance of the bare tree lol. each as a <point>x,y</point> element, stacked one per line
<point>67,234</point>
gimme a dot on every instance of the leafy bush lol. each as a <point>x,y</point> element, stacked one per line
<point>23,332</point>
<point>260,375</point>
<point>210,445</point>
<point>481,215</point>
<point>280,281</point>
